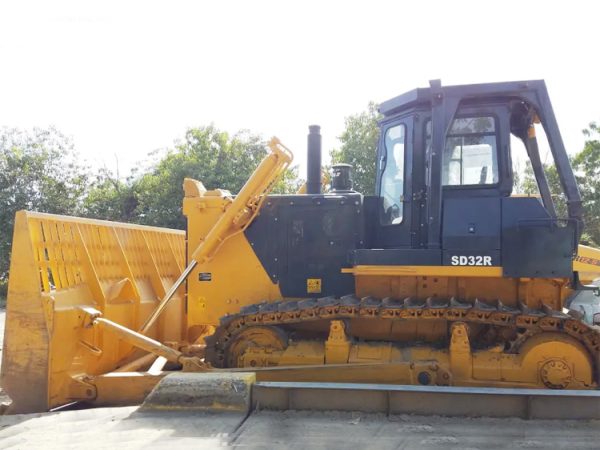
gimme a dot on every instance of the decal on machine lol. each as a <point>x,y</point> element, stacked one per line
<point>478,260</point>
<point>587,260</point>
<point>313,285</point>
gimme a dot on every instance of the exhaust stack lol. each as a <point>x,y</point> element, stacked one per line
<point>313,167</point>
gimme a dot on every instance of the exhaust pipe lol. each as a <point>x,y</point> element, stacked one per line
<point>313,166</point>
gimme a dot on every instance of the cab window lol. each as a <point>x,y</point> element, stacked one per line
<point>470,154</point>
<point>392,178</point>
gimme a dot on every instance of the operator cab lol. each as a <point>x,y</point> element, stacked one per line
<point>443,197</point>
<point>445,178</point>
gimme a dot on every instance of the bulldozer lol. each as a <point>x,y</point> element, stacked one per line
<point>444,280</point>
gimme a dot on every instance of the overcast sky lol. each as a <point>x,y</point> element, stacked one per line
<point>125,78</point>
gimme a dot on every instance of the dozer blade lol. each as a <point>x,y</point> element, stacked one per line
<point>62,265</point>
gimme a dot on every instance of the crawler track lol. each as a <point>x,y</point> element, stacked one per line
<point>288,312</point>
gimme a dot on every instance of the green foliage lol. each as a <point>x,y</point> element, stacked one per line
<point>3,292</point>
<point>206,154</point>
<point>155,197</point>
<point>359,148</point>
<point>524,183</point>
<point>38,172</point>
<point>110,198</point>
<point>587,169</point>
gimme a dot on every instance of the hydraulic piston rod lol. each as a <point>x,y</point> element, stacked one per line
<point>143,342</point>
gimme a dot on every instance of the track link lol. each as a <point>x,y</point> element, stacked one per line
<point>285,312</point>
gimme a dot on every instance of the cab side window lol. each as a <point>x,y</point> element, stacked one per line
<point>470,154</point>
<point>392,178</point>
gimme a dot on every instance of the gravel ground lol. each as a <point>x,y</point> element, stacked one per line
<point>127,428</point>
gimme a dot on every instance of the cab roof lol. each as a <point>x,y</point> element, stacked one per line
<point>509,89</point>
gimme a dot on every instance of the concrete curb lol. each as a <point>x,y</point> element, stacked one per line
<point>202,392</point>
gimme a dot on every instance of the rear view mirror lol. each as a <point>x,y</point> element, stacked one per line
<point>596,319</point>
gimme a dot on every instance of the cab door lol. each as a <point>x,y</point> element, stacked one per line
<point>394,184</point>
<point>473,180</point>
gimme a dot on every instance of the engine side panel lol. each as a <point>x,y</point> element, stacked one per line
<point>303,242</point>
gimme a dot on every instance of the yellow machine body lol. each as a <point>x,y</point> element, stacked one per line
<point>238,279</point>
<point>229,287</point>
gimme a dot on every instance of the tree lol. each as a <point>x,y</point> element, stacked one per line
<point>587,169</point>
<point>359,148</point>
<point>38,172</point>
<point>156,196</point>
<point>111,198</point>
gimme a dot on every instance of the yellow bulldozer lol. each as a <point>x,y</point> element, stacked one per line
<point>443,282</point>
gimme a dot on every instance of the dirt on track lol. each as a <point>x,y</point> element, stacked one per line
<point>129,428</point>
